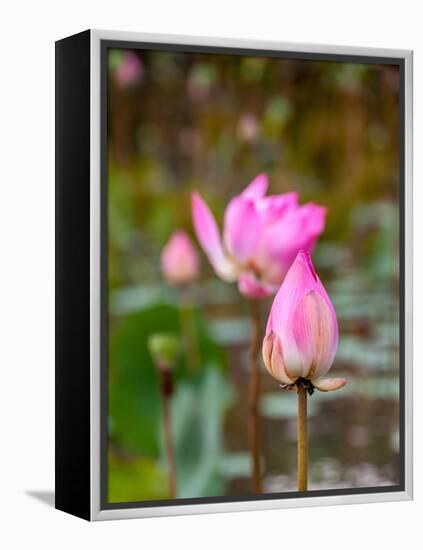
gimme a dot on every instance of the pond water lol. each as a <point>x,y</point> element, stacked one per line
<point>353,432</point>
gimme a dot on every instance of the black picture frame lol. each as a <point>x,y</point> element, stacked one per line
<point>81,89</point>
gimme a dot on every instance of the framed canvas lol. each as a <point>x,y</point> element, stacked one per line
<point>233,275</point>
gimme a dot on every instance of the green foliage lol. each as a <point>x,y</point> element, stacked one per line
<point>115,58</point>
<point>131,477</point>
<point>198,408</point>
<point>198,411</point>
<point>163,348</point>
<point>134,395</point>
<point>275,116</point>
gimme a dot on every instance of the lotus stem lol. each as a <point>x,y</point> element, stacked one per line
<point>302,443</point>
<point>167,390</point>
<point>192,354</point>
<point>254,390</point>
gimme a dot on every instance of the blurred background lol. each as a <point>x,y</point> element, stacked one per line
<point>329,130</point>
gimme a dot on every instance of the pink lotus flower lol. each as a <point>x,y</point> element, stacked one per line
<point>261,236</point>
<point>179,259</point>
<point>302,331</point>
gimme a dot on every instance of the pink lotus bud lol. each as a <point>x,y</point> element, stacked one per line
<point>248,127</point>
<point>179,260</point>
<point>302,330</point>
<point>129,71</point>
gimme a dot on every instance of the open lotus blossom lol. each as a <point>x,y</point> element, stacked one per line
<point>179,259</point>
<point>302,331</point>
<point>261,236</point>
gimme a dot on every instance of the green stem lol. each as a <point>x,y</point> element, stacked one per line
<point>170,454</point>
<point>166,387</point>
<point>192,354</point>
<point>302,442</point>
<point>254,390</point>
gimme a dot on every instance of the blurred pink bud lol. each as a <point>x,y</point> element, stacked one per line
<point>302,330</point>
<point>179,259</point>
<point>248,127</point>
<point>129,70</point>
<point>261,236</point>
